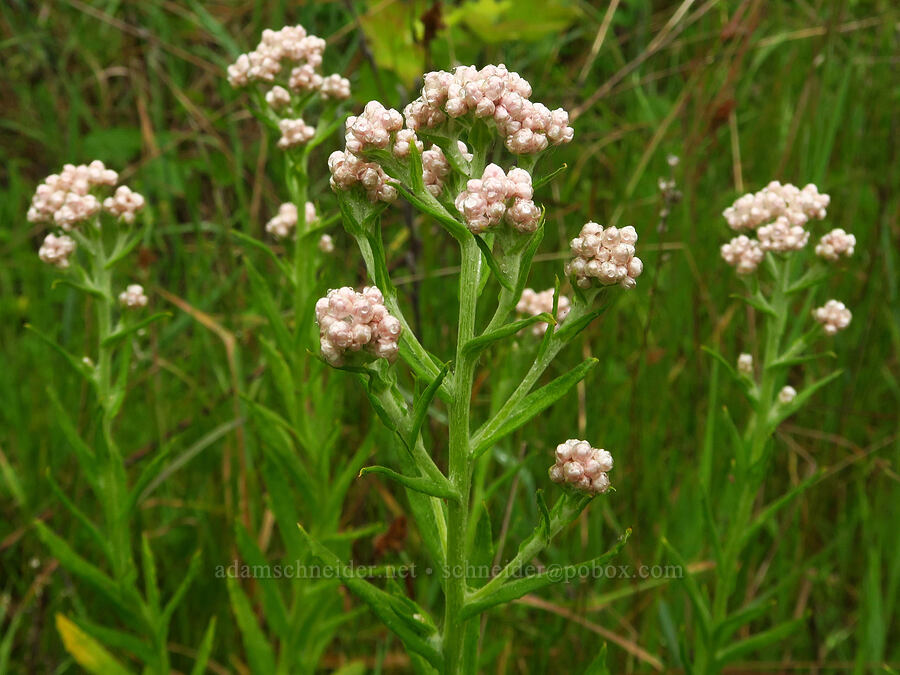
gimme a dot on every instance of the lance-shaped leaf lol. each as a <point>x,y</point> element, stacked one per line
<point>756,609</point>
<point>87,460</point>
<point>272,604</point>
<point>205,649</point>
<point>253,242</point>
<point>123,247</point>
<point>782,412</point>
<point>758,641</point>
<point>183,585</point>
<point>516,588</point>
<point>693,590</point>
<point>420,411</point>
<point>531,248</point>
<point>813,277</point>
<point>770,510</point>
<point>99,538</point>
<point>425,484</point>
<point>259,652</point>
<point>266,303</point>
<point>124,332</point>
<point>87,652</point>
<point>532,405</point>
<point>78,364</point>
<point>485,340</point>
<point>757,301</point>
<point>543,180</point>
<point>357,211</point>
<point>84,287</point>
<point>492,263</point>
<point>399,614</point>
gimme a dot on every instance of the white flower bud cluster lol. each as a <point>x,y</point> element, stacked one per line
<point>492,92</point>
<point>833,315</point>
<point>835,244</point>
<point>787,395</point>
<point>351,321</point>
<point>336,87</point>
<point>326,244</point>
<point>605,256</point>
<point>496,196</point>
<point>56,250</point>
<point>124,204</point>
<point>290,59</point>
<point>348,169</point>
<point>582,466</point>
<point>66,198</point>
<point>743,253</point>
<point>776,200</point>
<point>745,364</point>
<point>294,132</point>
<point>436,168</point>
<point>373,128</point>
<point>133,297</point>
<point>533,303</point>
<point>284,223</point>
<point>781,236</point>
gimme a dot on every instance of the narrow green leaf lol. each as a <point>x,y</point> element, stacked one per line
<point>693,590</point>
<point>492,263</point>
<point>758,641</point>
<point>272,603</point>
<point>516,588</point>
<point>93,291</point>
<point>77,363</point>
<point>281,498</point>
<point>425,485</point>
<point>782,412</point>
<point>151,583</point>
<point>534,404</point>
<point>756,301</point>
<point>205,648</point>
<point>485,340</point>
<point>122,251</point>
<point>181,591</point>
<point>122,333</point>
<point>420,411</point>
<point>284,379</point>
<point>113,638</point>
<point>263,298</point>
<point>543,180</point>
<point>259,652</point>
<point>598,665</point>
<point>99,538</point>
<point>265,248</point>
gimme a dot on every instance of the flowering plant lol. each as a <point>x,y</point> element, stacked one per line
<point>436,156</point>
<point>780,282</point>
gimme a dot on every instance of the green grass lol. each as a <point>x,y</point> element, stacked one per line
<point>802,92</point>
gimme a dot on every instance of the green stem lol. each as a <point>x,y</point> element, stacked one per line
<point>460,468</point>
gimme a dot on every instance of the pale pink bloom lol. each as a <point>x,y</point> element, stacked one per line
<point>743,253</point>
<point>133,297</point>
<point>56,250</point>
<point>581,466</point>
<point>533,303</point>
<point>498,196</point>
<point>351,322</point>
<point>833,315</point>
<point>605,257</point>
<point>835,244</point>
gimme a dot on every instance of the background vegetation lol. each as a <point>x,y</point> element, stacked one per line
<point>742,92</point>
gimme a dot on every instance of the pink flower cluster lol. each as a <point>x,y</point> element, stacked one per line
<point>436,168</point>
<point>348,169</point>
<point>775,200</point>
<point>582,466</point>
<point>56,250</point>
<point>778,213</point>
<point>373,128</point>
<point>835,244</point>
<point>124,204</point>
<point>291,47</point>
<point>743,253</point>
<point>833,315</point>
<point>492,92</point>
<point>74,196</point>
<point>294,132</point>
<point>351,321</point>
<point>133,297</point>
<point>284,223</point>
<point>605,256</point>
<point>496,196</point>
<point>533,303</point>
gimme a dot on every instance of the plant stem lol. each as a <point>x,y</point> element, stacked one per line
<point>460,468</point>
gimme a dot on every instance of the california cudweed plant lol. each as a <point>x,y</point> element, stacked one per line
<point>436,156</point>
<point>773,256</point>
<point>93,229</point>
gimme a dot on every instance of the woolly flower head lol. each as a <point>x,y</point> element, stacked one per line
<point>833,315</point>
<point>498,196</point>
<point>533,303</point>
<point>436,168</point>
<point>326,244</point>
<point>604,256</point>
<point>493,93</point>
<point>133,297</point>
<point>745,364</point>
<point>56,250</point>
<point>835,244</point>
<point>787,395</point>
<point>373,128</point>
<point>286,221</point>
<point>348,170</point>
<point>774,201</point>
<point>294,132</point>
<point>74,195</point>
<point>351,321</point>
<point>582,466</point>
<point>743,253</point>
